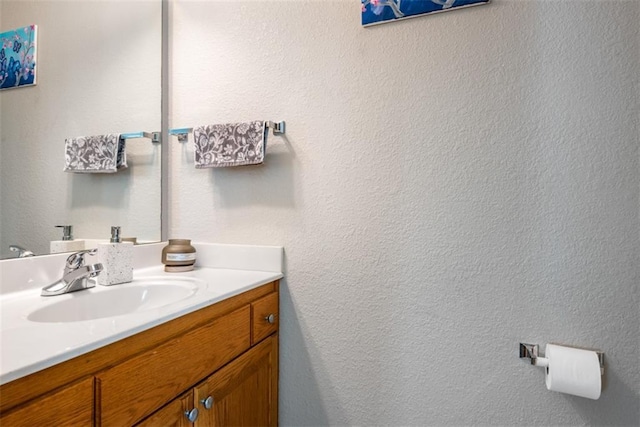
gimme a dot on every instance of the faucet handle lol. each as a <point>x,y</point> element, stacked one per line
<point>76,260</point>
<point>22,252</point>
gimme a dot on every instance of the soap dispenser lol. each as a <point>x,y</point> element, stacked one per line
<point>117,260</point>
<point>67,244</point>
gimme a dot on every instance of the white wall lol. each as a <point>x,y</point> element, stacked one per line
<point>98,72</point>
<point>448,187</point>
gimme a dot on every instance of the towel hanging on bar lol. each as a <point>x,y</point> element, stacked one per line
<point>95,154</point>
<point>230,144</point>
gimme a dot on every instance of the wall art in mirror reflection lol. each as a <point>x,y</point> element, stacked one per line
<point>18,57</point>
<point>381,11</point>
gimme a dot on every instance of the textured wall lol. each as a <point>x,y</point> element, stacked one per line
<point>448,187</point>
<point>95,59</point>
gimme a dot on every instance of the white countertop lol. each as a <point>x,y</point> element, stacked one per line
<point>28,346</point>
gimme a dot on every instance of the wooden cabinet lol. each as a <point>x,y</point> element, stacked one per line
<point>70,406</point>
<point>243,393</point>
<point>264,317</point>
<point>228,351</point>
<point>135,388</point>
<point>173,414</point>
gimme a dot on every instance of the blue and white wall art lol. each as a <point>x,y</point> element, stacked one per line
<point>18,57</point>
<point>381,11</point>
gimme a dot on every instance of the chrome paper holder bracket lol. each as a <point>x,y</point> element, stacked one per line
<point>531,351</point>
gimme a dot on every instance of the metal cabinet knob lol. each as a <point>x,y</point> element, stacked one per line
<point>208,402</point>
<point>192,415</point>
<point>271,318</point>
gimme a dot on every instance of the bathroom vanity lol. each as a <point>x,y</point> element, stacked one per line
<point>214,362</point>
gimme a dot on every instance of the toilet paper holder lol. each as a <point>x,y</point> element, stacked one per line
<point>531,351</point>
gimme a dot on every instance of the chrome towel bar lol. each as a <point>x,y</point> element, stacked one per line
<point>278,128</point>
<point>155,137</point>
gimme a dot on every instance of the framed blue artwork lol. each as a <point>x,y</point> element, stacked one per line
<point>381,11</point>
<point>18,57</point>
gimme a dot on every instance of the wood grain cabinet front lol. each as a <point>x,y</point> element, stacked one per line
<point>135,388</point>
<point>243,393</point>
<point>265,317</point>
<point>71,406</point>
<point>177,413</point>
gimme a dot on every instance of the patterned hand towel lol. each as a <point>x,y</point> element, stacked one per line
<point>95,154</point>
<point>231,144</point>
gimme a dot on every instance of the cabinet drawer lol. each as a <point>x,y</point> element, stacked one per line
<point>264,317</point>
<point>72,406</point>
<point>133,389</point>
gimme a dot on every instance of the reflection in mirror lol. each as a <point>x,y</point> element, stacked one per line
<point>98,72</point>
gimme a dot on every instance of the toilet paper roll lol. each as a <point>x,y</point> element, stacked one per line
<point>573,371</point>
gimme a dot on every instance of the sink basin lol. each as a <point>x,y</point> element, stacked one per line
<point>101,301</point>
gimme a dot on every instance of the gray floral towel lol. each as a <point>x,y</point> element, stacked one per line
<point>231,144</point>
<point>95,154</point>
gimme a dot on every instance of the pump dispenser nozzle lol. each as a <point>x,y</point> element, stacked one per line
<point>66,231</point>
<point>117,259</point>
<point>115,234</point>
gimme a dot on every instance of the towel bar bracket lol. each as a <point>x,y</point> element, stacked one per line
<point>155,137</point>
<point>181,133</point>
<point>277,127</point>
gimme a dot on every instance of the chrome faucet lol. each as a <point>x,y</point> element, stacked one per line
<point>22,252</point>
<point>76,275</point>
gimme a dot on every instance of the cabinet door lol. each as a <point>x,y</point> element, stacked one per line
<point>72,406</point>
<point>243,393</point>
<point>173,414</point>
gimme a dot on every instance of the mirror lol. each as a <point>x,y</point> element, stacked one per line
<point>98,72</point>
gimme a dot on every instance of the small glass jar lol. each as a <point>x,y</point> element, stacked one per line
<point>178,255</point>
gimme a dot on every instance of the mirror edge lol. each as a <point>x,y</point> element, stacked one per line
<point>164,122</point>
